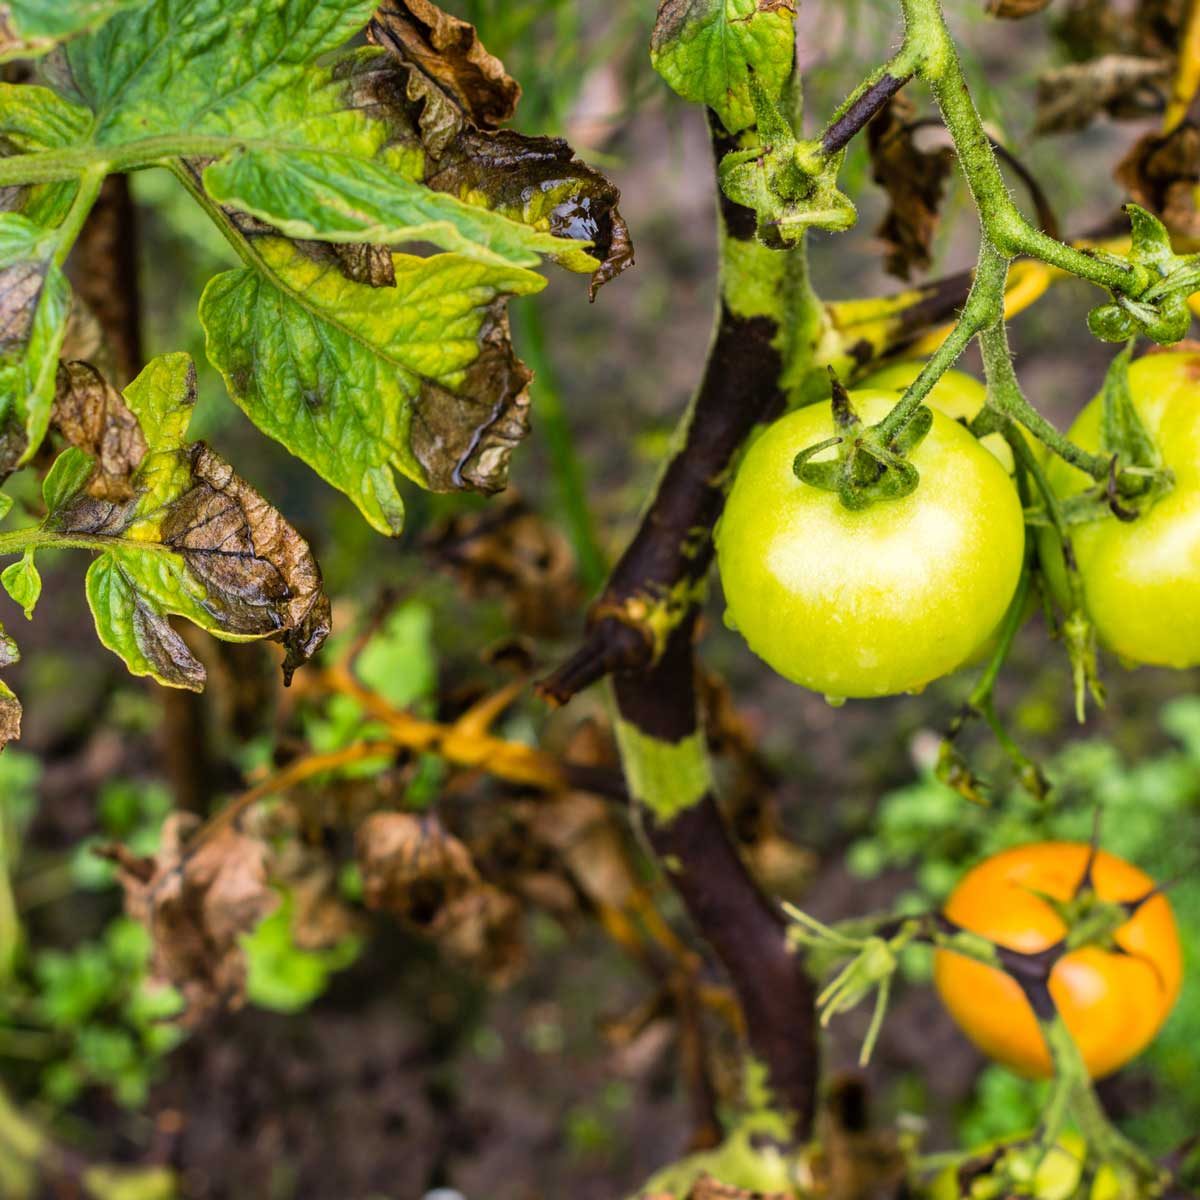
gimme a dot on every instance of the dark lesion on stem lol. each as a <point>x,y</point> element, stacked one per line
<point>641,632</point>
<point>672,551</point>
<point>839,134</point>
<point>745,930</point>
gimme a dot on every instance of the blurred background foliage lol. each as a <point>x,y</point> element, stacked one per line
<point>405,1065</point>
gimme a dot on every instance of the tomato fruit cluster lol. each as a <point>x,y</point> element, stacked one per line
<point>878,600</point>
<point>1112,1001</point>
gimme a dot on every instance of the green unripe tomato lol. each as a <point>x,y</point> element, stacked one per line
<point>957,394</point>
<point>877,601</point>
<point>1141,579</point>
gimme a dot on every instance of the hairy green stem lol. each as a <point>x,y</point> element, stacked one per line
<point>50,166</point>
<point>984,308</point>
<point>1006,395</point>
<point>928,40</point>
<point>17,541</point>
<point>86,194</point>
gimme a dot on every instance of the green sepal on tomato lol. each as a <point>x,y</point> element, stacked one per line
<point>1141,578</point>
<point>880,600</point>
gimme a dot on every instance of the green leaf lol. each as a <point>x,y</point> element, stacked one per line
<point>6,503</point>
<point>35,299</point>
<point>68,476</point>
<point>184,537</point>
<point>361,387</point>
<point>29,28</point>
<point>338,198</point>
<point>23,583</point>
<point>229,67</point>
<point>10,706</point>
<point>707,51</point>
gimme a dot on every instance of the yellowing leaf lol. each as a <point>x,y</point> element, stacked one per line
<point>182,535</point>
<point>364,382</point>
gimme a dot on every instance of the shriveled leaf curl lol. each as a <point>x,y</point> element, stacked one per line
<point>196,908</point>
<point>915,183</point>
<point>188,537</point>
<point>413,867</point>
<point>1162,173</point>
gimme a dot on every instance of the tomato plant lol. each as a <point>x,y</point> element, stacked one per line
<point>326,828</point>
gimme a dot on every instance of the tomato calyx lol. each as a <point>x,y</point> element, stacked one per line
<point>1160,309</point>
<point>869,465</point>
<point>791,185</point>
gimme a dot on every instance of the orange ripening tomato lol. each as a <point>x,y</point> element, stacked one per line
<point>1112,1003</point>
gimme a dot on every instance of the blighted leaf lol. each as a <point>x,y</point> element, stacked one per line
<point>197,907</point>
<point>448,51</point>
<point>707,49</point>
<point>1162,173</point>
<point>412,867</point>
<point>23,583</point>
<point>93,416</point>
<point>337,198</point>
<point>181,534</point>
<point>32,27</point>
<point>1121,85</point>
<point>363,382</point>
<point>915,183</point>
<point>305,153</point>
<point>34,301</point>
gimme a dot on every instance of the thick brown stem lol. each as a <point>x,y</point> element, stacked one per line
<point>744,929</point>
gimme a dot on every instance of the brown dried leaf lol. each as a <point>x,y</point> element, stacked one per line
<point>483,930</point>
<point>915,182</point>
<point>196,909</point>
<point>93,416</point>
<point>413,867</point>
<point>465,439</point>
<point>450,55</point>
<point>1091,28</point>
<point>260,574</point>
<point>535,180</point>
<point>1122,85</point>
<point>1162,173</point>
<point>10,716</point>
<point>510,552</point>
